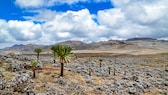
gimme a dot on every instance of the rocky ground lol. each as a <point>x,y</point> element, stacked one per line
<point>118,75</point>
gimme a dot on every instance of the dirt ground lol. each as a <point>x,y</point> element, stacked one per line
<point>131,61</point>
<point>49,73</point>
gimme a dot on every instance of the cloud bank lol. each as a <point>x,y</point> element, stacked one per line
<point>128,18</point>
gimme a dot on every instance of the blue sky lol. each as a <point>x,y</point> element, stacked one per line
<point>52,21</point>
<point>11,11</point>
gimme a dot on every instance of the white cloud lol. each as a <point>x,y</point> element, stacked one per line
<point>30,3</point>
<point>111,18</point>
<point>143,14</point>
<point>24,30</point>
<point>42,15</point>
<point>72,24</point>
<point>136,18</point>
<point>20,32</point>
<point>129,18</point>
<point>4,34</point>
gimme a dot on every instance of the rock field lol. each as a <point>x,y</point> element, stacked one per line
<point>118,75</point>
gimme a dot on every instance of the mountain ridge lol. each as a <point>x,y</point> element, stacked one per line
<point>143,38</point>
<point>134,43</point>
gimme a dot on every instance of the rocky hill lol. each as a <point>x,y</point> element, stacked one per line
<point>78,45</point>
<point>75,45</point>
<point>21,47</point>
<point>130,44</point>
<point>144,38</point>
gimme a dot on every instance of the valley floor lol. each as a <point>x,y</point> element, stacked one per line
<point>119,74</point>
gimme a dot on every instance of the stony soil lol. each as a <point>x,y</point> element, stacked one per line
<point>119,75</point>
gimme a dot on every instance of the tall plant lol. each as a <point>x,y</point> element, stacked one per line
<point>53,48</point>
<point>100,61</point>
<point>64,53</point>
<point>38,51</point>
<point>34,64</point>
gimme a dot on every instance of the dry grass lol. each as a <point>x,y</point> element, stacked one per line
<point>123,51</point>
<point>45,77</point>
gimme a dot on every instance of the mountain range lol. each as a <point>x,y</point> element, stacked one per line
<point>130,44</point>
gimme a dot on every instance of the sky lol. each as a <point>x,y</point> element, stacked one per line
<point>51,21</point>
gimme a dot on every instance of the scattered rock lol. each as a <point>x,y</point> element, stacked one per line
<point>61,81</point>
<point>132,90</point>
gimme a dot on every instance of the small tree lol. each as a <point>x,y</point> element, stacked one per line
<point>109,70</point>
<point>89,70</point>
<point>114,73</point>
<point>63,52</point>
<point>34,64</point>
<point>12,54</point>
<point>38,51</point>
<point>89,59</point>
<point>125,70</point>
<point>166,67</point>
<point>53,48</point>
<point>100,60</point>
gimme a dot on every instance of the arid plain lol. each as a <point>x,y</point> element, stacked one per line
<point>131,67</point>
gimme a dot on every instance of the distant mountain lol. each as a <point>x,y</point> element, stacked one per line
<point>21,47</point>
<point>17,45</point>
<point>75,45</point>
<point>133,43</point>
<point>143,38</point>
<point>78,45</point>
